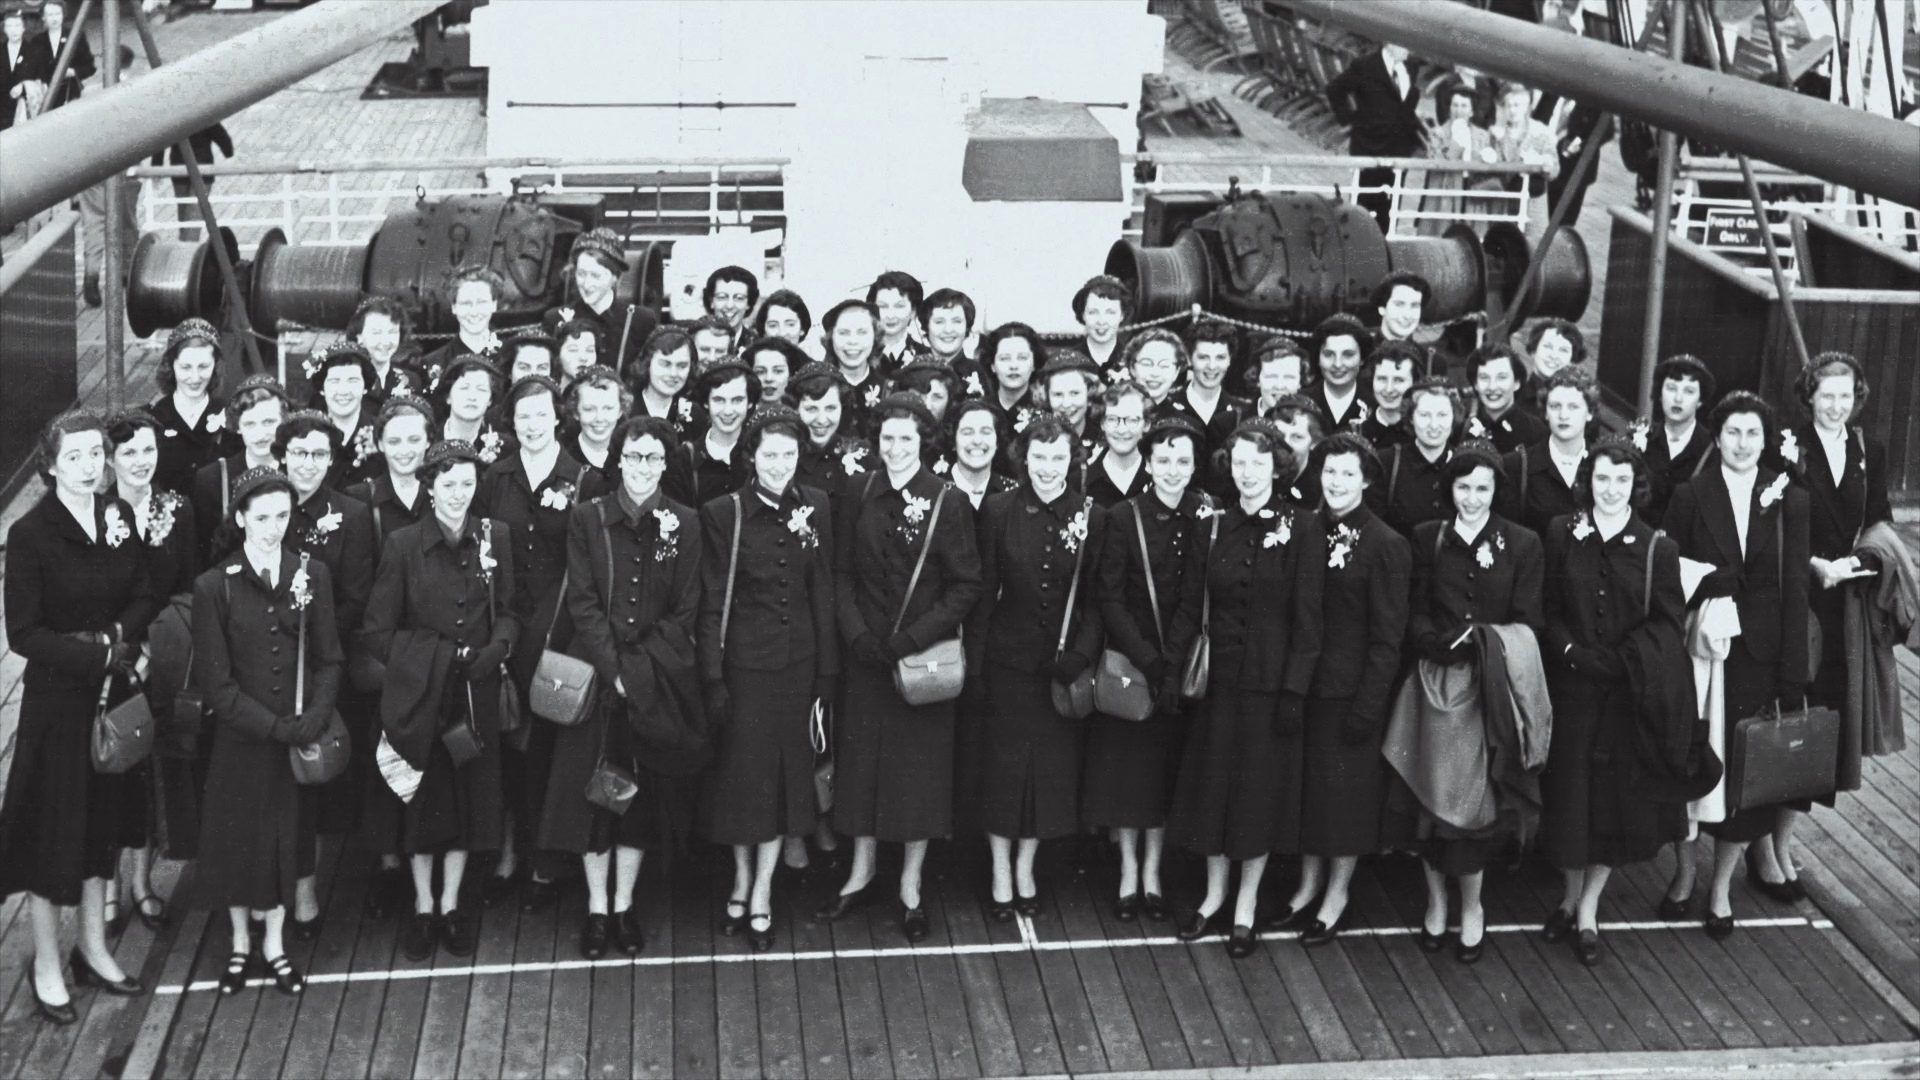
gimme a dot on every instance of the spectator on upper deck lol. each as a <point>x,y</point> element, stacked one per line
<point>1378,98</point>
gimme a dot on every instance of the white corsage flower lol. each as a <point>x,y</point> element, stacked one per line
<point>1638,432</point>
<point>1789,448</point>
<point>362,445</point>
<point>489,446</point>
<point>1281,534</point>
<point>1774,491</point>
<point>487,562</point>
<point>668,525</point>
<point>327,523</point>
<point>490,343</point>
<point>216,420</point>
<point>850,461</point>
<point>1360,413</point>
<point>310,367</point>
<point>1346,539</point>
<point>798,524</point>
<point>941,467</point>
<point>685,408</point>
<point>974,388</point>
<point>170,433</point>
<point>300,590</point>
<point>1074,532</point>
<point>1475,428</point>
<point>557,497</point>
<point>871,395</point>
<point>916,509</point>
<point>1484,555</point>
<point>117,527</point>
<point>1582,526</point>
<point>160,516</point>
<point>565,314</point>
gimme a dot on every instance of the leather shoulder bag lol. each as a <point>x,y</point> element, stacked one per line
<point>611,786</point>
<point>122,734</point>
<point>326,757</point>
<point>1120,688</point>
<point>1074,700</point>
<point>938,672</point>
<point>1193,678</point>
<point>562,685</point>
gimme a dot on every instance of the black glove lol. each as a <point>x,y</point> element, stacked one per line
<point>121,657</point>
<point>870,651</point>
<point>486,661</point>
<point>312,726</point>
<point>1717,583</point>
<point>899,645</point>
<point>287,729</point>
<point>1156,671</point>
<point>719,703</point>
<point>1356,730</point>
<point>1167,701</point>
<point>1288,714</point>
<point>826,687</point>
<point>1067,667</point>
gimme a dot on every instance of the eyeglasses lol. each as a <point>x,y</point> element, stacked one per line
<point>1125,421</point>
<point>309,455</point>
<point>651,461</point>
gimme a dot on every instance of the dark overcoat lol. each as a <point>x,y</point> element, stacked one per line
<point>1412,489</point>
<point>186,448</point>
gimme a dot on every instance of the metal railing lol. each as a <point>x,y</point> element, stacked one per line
<point>1416,199</point>
<point>334,203</point>
<point>1724,224</point>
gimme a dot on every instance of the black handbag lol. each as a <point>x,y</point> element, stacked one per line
<point>122,734</point>
<point>462,738</point>
<point>610,787</point>
<point>1074,701</point>
<point>1782,755</point>
<point>1193,678</point>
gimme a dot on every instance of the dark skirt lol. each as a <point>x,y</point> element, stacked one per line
<point>60,823</point>
<point>893,762</point>
<point>134,796</point>
<point>1030,758</point>
<point>1341,785</point>
<point>1589,815</point>
<point>1232,778</point>
<point>1405,825</point>
<point>340,802</point>
<point>1749,688</point>
<point>454,809</point>
<point>257,826</point>
<point>524,772</point>
<point>969,734</point>
<point>659,817</point>
<point>1130,769</point>
<point>760,786</point>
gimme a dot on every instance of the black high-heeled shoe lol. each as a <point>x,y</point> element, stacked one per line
<point>594,936</point>
<point>1127,908</point>
<point>85,975</point>
<point>1719,927</point>
<point>286,978</point>
<point>1194,927</point>
<point>304,929</point>
<point>1027,905</point>
<point>1000,911</point>
<point>234,979</point>
<point>1240,942</point>
<point>1287,918</point>
<point>62,1015</point>
<point>1673,910</point>
<point>1559,925</point>
<point>913,921</point>
<point>846,904</point>
<point>1586,946</point>
<point>152,912</point>
<point>1322,934</point>
<point>1431,942</point>
<point>1469,954</point>
<point>628,935</point>
<point>760,932</point>
<point>1154,907</point>
<point>1778,891</point>
<point>732,924</point>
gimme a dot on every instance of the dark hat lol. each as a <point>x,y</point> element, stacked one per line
<point>316,366</point>
<point>770,413</point>
<point>1080,297</point>
<point>531,335</point>
<point>927,365</point>
<point>1168,426</point>
<point>816,368</point>
<point>908,401</point>
<point>1069,360</point>
<point>466,362</point>
<point>260,382</point>
<point>520,385</point>
<point>604,245</point>
<point>1480,452</point>
<point>260,476</point>
<point>450,452</point>
<point>724,371</point>
<point>1260,425</point>
<point>195,331</point>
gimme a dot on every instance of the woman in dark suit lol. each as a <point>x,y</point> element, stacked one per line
<point>1036,624</point>
<point>382,327</point>
<point>973,436</point>
<point>779,655</point>
<point>1414,486</point>
<point>78,598</point>
<point>599,259</point>
<point>1117,470</point>
<point>1543,474</point>
<point>534,490</point>
<point>441,619</point>
<point>713,464</point>
<point>1845,476</point>
<point>1343,778</point>
<point>1608,574</point>
<point>633,594</point>
<point>344,387</point>
<point>832,454</point>
<point>1150,571</point>
<point>1264,576</point>
<point>405,429</point>
<point>337,531</point>
<point>1751,524</point>
<point>193,420</point>
<point>1475,567</point>
<point>467,398</point>
<point>253,415</point>
<point>164,524</point>
<point>250,612</point>
<point>894,761</point>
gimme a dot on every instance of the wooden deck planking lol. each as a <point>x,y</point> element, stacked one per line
<point>738,1014</point>
<point>1161,1038</point>
<point>652,995</point>
<point>696,1046</point>
<point>949,1021</point>
<point>569,1012</point>
<point>989,1014</point>
<point>1460,1018</point>
<point>1074,905</point>
<point>783,1053</point>
<point>482,1047</point>
<point>822,1029</point>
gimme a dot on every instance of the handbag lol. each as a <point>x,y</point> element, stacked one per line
<point>562,686</point>
<point>1193,677</point>
<point>179,734</point>
<point>462,739</point>
<point>1782,755</point>
<point>325,758</point>
<point>610,787</point>
<point>823,772</point>
<point>1120,689</point>
<point>1074,701</point>
<point>938,672</point>
<point>122,734</point>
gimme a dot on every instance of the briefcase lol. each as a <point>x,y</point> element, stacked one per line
<point>1782,755</point>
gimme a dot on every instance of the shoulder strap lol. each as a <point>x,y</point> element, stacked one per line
<point>226,495</point>
<point>1646,588</point>
<point>1523,482</point>
<point>1146,564</point>
<point>733,564</point>
<point>1073,587</point>
<point>1439,536</point>
<point>1206,592</point>
<point>300,653</point>
<point>620,358</point>
<point>1780,547</point>
<point>1393,474</point>
<point>379,530</point>
<point>606,541</point>
<point>920,563</point>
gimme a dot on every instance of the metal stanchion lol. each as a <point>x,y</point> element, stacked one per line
<point>113,286</point>
<point>1662,225</point>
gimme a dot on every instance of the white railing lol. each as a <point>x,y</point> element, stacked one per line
<point>334,204</point>
<point>1705,220</point>
<point>1415,200</point>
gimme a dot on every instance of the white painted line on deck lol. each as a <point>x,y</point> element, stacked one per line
<point>1029,942</point>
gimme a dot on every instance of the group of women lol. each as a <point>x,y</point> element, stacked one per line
<point>897,595</point>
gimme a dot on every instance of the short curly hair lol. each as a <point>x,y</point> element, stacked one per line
<point>1576,379</point>
<point>461,275</point>
<point>1383,292</point>
<point>1567,330</point>
<point>783,298</point>
<point>1738,402</point>
<point>165,376</point>
<point>1443,390</point>
<point>1684,366</point>
<point>406,405</point>
<point>1131,354</point>
<point>302,424</point>
<point>1338,325</point>
<point>595,376</point>
<point>641,427</point>
<point>1285,463</point>
<point>1352,442</point>
<point>1825,366</point>
<point>1278,348</point>
<point>74,421</point>
<point>1620,452</point>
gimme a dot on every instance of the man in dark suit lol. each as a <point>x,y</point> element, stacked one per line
<point>1378,99</point>
<point>202,143</point>
<point>47,48</point>
<point>20,73</point>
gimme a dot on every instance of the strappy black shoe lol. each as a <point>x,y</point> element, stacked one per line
<point>286,978</point>
<point>760,932</point>
<point>234,979</point>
